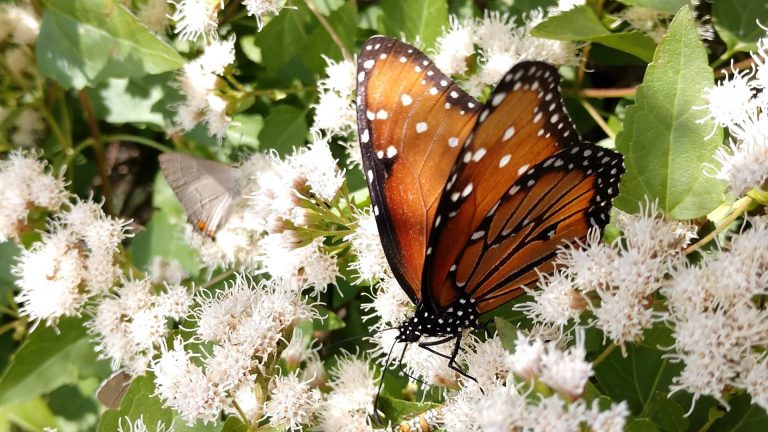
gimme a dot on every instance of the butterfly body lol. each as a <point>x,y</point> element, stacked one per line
<point>472,200</point>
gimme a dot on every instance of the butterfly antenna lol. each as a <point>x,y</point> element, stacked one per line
<point>356,337</point>
<point>381,385</point>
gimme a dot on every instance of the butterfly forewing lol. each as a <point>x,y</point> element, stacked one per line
<point>412,122</point>
<point>205,188</point>
<point>516,194</point>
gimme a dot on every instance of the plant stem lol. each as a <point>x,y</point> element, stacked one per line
<point>327,26</point>
<point>84,144</point>
<point>598,118</point>
<point>98,148</point>
<point>242,415</point>
<point>740,207</point>
<point>138,140</point>
<point>603,355</point>
<point>724,58</point>
<point>600,93</point>
<point>217,279</point>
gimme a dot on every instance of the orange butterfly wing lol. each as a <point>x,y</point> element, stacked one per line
<point>522,187</point>
<point>412,120</point>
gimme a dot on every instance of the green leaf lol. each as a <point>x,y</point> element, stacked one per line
<point>640,425</point>
<point>284,128</point>
<point>84,42</point>
<point>507,333</point>
<point>668,414</point>
<point>344,23</point>
<point>579,23</point>
<point>138,402</point>
<point>33,414</point>
<point>8,252</point>
<point>48,359</point>
<point>518,8</point>
<point>664,141</point>
<point>424,18</point>
<point>640,376</point>
<point>744,416</point>
<point>283,38</point>
<point>329,321</point>
<point>144,100</point>
<point>164,234</point>
<point>244,130</point>
<point>397,409</point>
<point>669,6</point>
<point>738,22</point>
<point>233,424</point>
<point>638,44</point>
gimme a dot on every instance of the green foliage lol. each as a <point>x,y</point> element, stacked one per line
<point>423,19</point>
<point>668,6</point>
<point>284,127</point>
<point>664,161</point>
<point>738,22</point>
<point>48,359</point>
<point>85,42</point>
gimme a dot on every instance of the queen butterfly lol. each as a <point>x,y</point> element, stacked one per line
<point>472,200</point>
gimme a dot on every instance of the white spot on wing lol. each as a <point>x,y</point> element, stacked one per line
<point>453,141</point>
<point>504,160</point>
<point>508,133</point>
<point>406,99</point>
<point>421,127</point>
<point>382,115</point>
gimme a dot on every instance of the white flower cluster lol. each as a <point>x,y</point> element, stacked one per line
<point>244,324</point>
<point>130,325</point>
<point>646,20</point>
<point>740,104</point>
<point>350,402</point>
<point>505,397</point>
<point>198,82</point>
<point>335,112</point>
<point>19,25</point>
<point>196,18</point>
<point>26,185</point>
<point>72,262</point>
<point>721,334</point>
<point>615,281</point>
<point>499,43</point>
<point>140,426</point>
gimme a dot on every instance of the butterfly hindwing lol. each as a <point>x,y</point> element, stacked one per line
<point>492,227</point>
<point>412,122</point>
<point>205,188</point>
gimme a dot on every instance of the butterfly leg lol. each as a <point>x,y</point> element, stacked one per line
<point>451,358</point>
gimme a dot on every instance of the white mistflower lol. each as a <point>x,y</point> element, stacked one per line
<point>743,165</point>
<point>258,8</point>
<point>292,403</point>
<point>566,5</point>
<point>454,47</point>
<point>164,270</point>
<point>26,184</point>
<point>297,350</point>
<point>154,15</point>
<point>389,304</point>
<point>340,77</point>
<point>25,25</point>
<point>50,275</point>
<point>729,102</point>
<point>218,316</point>
<point>556,300</point>
<point>612,420</point>
<point>334,113</point>
<point>126,425</point>
<point>496,32</point>
<point>216,117</point>
<point>195,18</point>
<point>525,362</point>
<point>552,414</point>
<point>366,243</point>
<point>352,385</point>
<point>29,129</point>
<point>756,383</point>
<point>217,56</point>
<point>247,402</point>
<point>460,413</point>
<point>175,301</point>
<point>485,362</point>
<point>501,409</point>
<point>318,167</point>
<point>566,371</point>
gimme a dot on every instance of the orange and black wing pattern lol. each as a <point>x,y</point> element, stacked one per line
<point>522,186</point>
<point>412,122</point>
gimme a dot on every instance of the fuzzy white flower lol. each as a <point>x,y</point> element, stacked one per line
<point>318,166</point>
<point>525,362</point>
<point>371,263</point>
<point>454,47</point>
<point>566,371</point>
<point>29,129</point>
<point>334,113</point>
<point>292,403</point>
<point>139,426</point>
<point>195,18</point>
<point>24,25</point>
<point>555,302</point>
<point>389,304</point>
<point>258,8</point>
<point>26,184</point>
<point>730,101</point>
<point>340,77</point>
<point>485,362</point>
<point>612,420</point>
<point>352,385</point>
